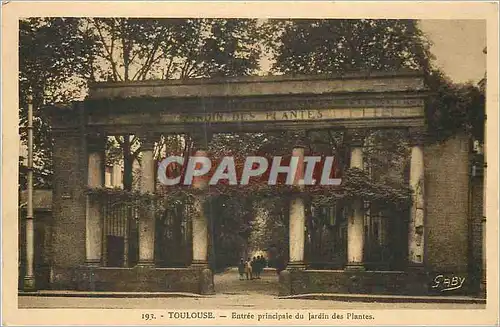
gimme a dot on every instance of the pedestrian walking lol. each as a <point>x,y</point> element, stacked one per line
<point>254,267</point>
<point>257,267</point>
<point>262,264</point>
<point>248,269</point>
<point>241,269</point>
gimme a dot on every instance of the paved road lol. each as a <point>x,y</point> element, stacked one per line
<point>228,283</point>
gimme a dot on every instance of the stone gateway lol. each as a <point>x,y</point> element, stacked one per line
<point>439,240</point>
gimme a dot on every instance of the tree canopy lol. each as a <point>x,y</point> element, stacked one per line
<point>53,54</point>
<point>305,46</point>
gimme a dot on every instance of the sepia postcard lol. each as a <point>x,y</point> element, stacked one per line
<point>250,163</point>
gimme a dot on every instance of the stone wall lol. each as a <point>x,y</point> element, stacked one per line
<point>142,279</point>
<point>447,205</point>
<point>359,282</point>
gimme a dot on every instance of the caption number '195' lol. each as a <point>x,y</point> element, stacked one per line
<point>148,316</point>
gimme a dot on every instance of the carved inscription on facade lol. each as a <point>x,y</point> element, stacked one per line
<point>252,116</point>
<point>296,115</point>
<point>262,116</point>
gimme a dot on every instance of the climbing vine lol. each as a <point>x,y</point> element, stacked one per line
<point>355,184</point>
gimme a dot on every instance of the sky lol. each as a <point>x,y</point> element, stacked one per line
<point>458,47</point>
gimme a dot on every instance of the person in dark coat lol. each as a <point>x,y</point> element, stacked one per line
<point>262,264</point>
<point>258,267</point>
<point>241,269</point>
<point>255,270</point>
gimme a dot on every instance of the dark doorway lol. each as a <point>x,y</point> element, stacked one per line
<point>115,250</point>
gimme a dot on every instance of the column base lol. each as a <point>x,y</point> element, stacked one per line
<point>416,267</point>
<point>300,265</point>
<point>199,264</point>
<point>93,263</point>
<point>145,264</point>
<point>29,284</point>
<point>355,266</point>
<point>483,289</point>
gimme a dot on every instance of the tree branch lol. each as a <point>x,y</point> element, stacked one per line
<point>147,65</point>
<point>109,52</point>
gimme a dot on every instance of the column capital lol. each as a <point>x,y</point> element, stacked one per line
<point>148,141</point>
<point>416,136</point>
<point>201,139</point>
<point>96,142</point>
<point>299,138</point>
<point>356,137</point>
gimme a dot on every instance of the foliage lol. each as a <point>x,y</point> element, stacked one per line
<point>230,226</point>
<point>53,52</point>
<point>129,49</point>
<point>326,46</point>
<point>336,46</point>
<point>138,200</point>
<point>147,48</point>
<point>58,56</point>
<point>454,108</point>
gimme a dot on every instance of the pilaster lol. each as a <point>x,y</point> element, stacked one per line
<point>355,223</point>
<point>95,179</point>
<point>297,207</point>
<point>416,240</point>
<point>147,186</point>
<point>201,141</point>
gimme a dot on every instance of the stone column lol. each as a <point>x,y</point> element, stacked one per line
<point>117,178</point>
<point>95,179</point>
<point>297,211</point>
<point>356,224</point>
<point>147,218</point>
<point>199,219</point>
<point>416,224</point>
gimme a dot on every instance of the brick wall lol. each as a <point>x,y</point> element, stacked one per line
<point>447,199</point>
<point>68,237</point>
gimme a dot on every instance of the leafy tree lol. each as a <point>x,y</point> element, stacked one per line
<point>453,108</point>
<point>139,49</point>
<point>59,55</point>
<point>53,53</point>
<point>339,45</point>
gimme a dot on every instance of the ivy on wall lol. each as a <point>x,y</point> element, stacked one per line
<point>355,184</point>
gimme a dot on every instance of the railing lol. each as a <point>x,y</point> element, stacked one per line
<point>119,232</point>
<point>120,215</point>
